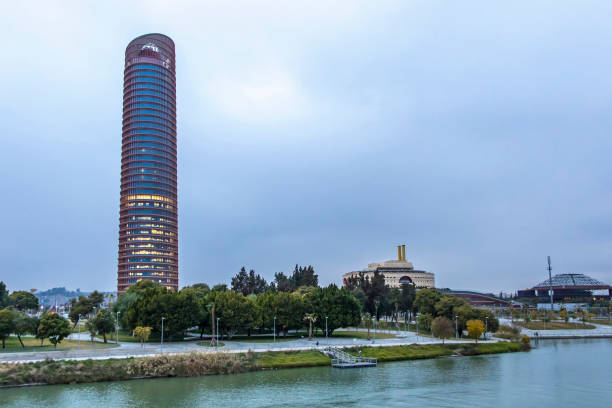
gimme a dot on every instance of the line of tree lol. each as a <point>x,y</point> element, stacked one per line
<point>144,305</point>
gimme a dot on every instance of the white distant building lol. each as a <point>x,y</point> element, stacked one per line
<point>396,272</point>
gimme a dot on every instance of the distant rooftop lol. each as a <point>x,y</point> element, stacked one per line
<point>572,280</point>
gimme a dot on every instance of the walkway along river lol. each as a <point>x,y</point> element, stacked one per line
<point>557,373</point>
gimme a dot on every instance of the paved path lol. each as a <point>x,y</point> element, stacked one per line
<point>128,349</point>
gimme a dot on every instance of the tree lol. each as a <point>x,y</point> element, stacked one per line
<point>446,305</point>
<point>283,283</point>
<point>200,292</point>
<point>424,321</point>
<point>425,301</point>
<point>7,325</point>
<point>85,305</point>
<point>563,314</point>
<point>248,283</point>
<point>4,296</point>
<point>407,296</point>
<point>180,310</point>
<point>103,322</point>
<point>91,328</point>
<point>142,333</point>
<point>54,327</point>
<point>310,318</point>
<point>24,324</point>
<point>235,312</point>
<point>475,329</point>
<point>22,300</point>
<point>334,307</point>
<point>442,328</point>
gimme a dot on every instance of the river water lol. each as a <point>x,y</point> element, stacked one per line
<point>558,373</point>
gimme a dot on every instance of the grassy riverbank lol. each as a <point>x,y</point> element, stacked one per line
<point>538,325</point>
<point>200,364</point>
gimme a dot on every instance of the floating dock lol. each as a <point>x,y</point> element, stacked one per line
<point>342,359</point>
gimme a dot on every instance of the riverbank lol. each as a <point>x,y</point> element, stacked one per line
<point>201,364</point>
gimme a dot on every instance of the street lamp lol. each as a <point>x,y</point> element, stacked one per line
<point>217,342</point>
<point>79,331</point>
<point>274,329</point>
<point>117,329</point>
<point>487,326</point>
<point>326,330</point>
<point>456,327</point>
<point>162,335</point>
<point>416,319</point>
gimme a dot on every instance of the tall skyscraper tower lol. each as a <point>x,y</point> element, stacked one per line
<point>148,220</point>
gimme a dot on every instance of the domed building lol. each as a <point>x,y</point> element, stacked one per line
<point>568,287</point>
<point>396,272</point>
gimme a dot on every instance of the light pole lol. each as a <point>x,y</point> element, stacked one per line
<point>274,329</point>
<point>486,326</point>
<point>162,335</point>
<point>416,319</point>
<point>79,331</point>
<point>456,327</point>
<point>217,342</point>
<point>117,329</point>
<point>326,330</point>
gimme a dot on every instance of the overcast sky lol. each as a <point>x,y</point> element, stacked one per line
<point>478,134</point>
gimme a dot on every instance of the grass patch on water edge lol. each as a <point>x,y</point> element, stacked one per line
<point>200,364</point>
<point>555,325</point>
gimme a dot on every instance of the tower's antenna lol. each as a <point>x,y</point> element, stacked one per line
<point>550,284</point>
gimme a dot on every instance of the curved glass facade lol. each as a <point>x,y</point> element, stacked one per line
<point>148,220</point>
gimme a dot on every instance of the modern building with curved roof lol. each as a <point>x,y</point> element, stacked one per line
<point>568,286</point>
<point>148,215</point>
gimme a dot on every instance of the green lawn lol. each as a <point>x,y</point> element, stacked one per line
<point>601,321</point>
<point>362,335</point>
<point>206,343</point>
<point>266,339</point>
<point>554,325</point>
<point>32,344</point>
<point>288,359</point>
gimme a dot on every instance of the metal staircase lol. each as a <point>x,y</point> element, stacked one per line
<point>342,359</point>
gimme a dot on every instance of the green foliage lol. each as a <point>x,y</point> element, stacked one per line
<point>7,324</point>
<point>84,306</point>
<point>424,320</point>
<point>103,322</point>
<point>24,324</point>
<point>446,305</point>
<point>54,327</point>
<point>22,301</point>
<point>235,312</point>
<point>442,328</point>
<point>301,276</point>
<point>425,301</point>
<point>248,283</point>
<point>181,310</point>
<point>4,296</point>
<point>338,305</point>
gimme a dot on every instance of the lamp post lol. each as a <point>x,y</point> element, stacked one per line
<point>416,319</point>
<point>274,329</point>
<point>326,330</point>
<point>456,327</point>
<point>486,326</point>
<point>162,335</point>
<point>79,331</point>
<point>117,329</point>
<point>217,342</point>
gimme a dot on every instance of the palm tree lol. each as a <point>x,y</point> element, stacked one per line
<point>310,318</point>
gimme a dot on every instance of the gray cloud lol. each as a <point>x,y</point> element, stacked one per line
<point>477,134</point>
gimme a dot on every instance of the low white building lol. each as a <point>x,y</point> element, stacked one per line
<point>396,272</point>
